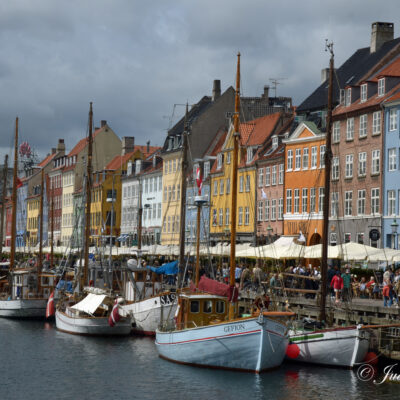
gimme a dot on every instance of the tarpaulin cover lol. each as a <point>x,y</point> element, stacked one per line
<point>214,287</point>
<point>167,269</point>
<point>90,303</point>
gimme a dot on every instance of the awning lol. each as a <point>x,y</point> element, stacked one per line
<point>90,303</point>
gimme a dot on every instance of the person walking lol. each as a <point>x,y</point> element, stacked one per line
<point>337,285</point>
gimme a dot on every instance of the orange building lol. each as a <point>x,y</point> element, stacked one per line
<point>304,183</point>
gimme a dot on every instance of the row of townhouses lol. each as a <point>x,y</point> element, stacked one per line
<point>281,168</point>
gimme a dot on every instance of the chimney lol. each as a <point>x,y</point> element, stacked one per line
<point>103,123</point>
<point>216,89</point>
<point>381,32</point>
<point>148,146</point>
<point>265,95</point>
<point>128,144</point>
<point>61,145</point>
<point>324,74</point>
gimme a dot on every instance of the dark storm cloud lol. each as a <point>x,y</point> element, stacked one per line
<point>136,59</point>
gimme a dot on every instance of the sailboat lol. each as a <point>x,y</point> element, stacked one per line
<point>90,311</point>
<point>332,346</point>
<point>209,331</point>
<point>29,288</point>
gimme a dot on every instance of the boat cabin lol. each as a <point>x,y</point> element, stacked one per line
<point>25,284</point>
<point>201,309</point>
<point>142,283</point>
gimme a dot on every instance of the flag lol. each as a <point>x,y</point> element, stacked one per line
<point>19,183</point>
<point>263,194</point>
<point>114,316</point>
<point>301,237</point>
<point>199,180</point>
<point>50,306</point>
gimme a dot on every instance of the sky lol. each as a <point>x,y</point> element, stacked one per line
<point>136,60</point>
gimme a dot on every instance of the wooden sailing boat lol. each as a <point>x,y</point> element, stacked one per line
<point>29,288</point>
<point>90,311</point>
<point>332,346</point>
<point>209,330</point>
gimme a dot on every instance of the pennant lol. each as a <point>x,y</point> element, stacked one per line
<point>199,180</point>
<point>50,306</point>
<point>19,183</point>
<point>263,194</point>
<point>114,316</point>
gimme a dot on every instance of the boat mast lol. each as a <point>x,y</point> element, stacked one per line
<point>182,226</point>
<point>14,200</point>
<point>88,198</point>
<point>3,200</point>
<point>52,228</point>
<point>328,158</point>
<point>40,261</point>
<point>140,215</point>
<point>236,136</point>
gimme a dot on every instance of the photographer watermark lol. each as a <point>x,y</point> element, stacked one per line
<point>367,372</point>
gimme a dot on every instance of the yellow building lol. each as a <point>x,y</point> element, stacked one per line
<point>32,219</point>
<point>253,135</point>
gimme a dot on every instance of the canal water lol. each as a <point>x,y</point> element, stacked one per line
<point>38,362</point>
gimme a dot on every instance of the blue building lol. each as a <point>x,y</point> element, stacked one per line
<point>391,175</point>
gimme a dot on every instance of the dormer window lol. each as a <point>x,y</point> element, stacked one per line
<point>381,87</point>
<point>250,155</point>
<point>195,166</point>
<point>138,164</point>
<point>228,158</point>
<point>342,96</point>
<point>206,169</point>
<point>348,96</point>
<point>363,95</point>
<point>274,142</point>
<point>170,143</point>
<point>219,161</point>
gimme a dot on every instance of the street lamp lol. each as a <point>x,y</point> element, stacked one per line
<point>394,225</point>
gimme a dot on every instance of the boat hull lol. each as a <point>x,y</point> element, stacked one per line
<point>254,344</point>
<point>147,315</point>
<point>23,308</point>
<point>340,347</point>
<point>91,326</point>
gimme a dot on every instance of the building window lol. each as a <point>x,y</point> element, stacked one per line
<point>228,185</point>
<point>363,95</point>
<point>314,157</point>
<point>348,96</point>
<point>266,211</point>
<point>376,123</point>
<point>350,129</point>
<point>280,208</point>
<point>393,119</point>
<point>336,132</point>
<point>305,158</point>
<point>260,211</point>
<point>360,238</point>
<point>240,216</point>
<point>219,161</point>
<point>247,183</point>
<point>391,202</point>
<point>214,220</point>
<point>273,210</point>
<point>250,154</point>
<point>297,161</point>
<point>221,187</point>
<point>289,201</point>
<point>206,168</point>
<point>241,183</point>
<point>375,201</point>
<point>261,177</point>
<point>333,239</point>
<point>246,215</point>
<point>348,203</point>
<point>312,200</point>
<point>322,156</point>
<point>361,202</point>
<point>228,157</point>
<point>375,162</point>
<point>362,164</point>
<point>281,169</point>
<point>227,217</point>
<point>363,126</point>
<point>335,168</point>
<point>381,87</point>
<point>221,216</point>
<point>304,198</point>
<point>290,160</point>
<point>267,176</point>
<point>347,237</point>
<point>335,204</point>
<point>392,158</point>
<point>321,196</point>
<point>215,188</point>
<point>273,175</point>
<point>349,166</point>
<point>296,201</point>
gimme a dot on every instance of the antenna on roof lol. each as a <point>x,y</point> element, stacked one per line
<point>275,82</point>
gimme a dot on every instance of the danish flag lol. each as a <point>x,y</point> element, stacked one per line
<point>50,306</point>
<point>199,180</point>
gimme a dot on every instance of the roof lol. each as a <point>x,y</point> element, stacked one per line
<point>393,69</point>
<point>262,129</point>
<point>350,72</point>
<point>82,143</point>
<point>120,160</point>
<point>47,159</point>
